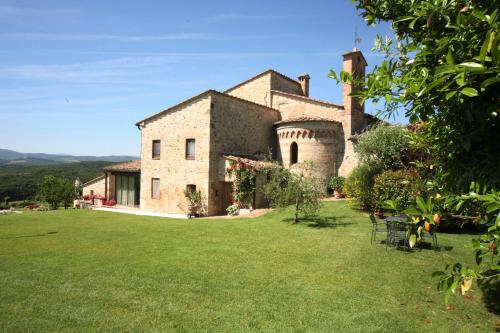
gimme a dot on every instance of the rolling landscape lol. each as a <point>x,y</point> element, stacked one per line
<point>20,173</point>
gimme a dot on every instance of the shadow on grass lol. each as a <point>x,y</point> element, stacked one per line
<point>491,295</point>
<point>28,236</point>
<point>319,222</point>
<point>422,246</point>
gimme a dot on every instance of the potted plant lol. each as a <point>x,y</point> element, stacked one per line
<point>233,210</point>
<point>336,184</point>
<point>194,202</point>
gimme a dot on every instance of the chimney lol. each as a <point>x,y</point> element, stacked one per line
<point>354,64</point>
<point>304,83</point>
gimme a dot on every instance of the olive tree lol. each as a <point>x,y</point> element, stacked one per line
<point>299,189</point>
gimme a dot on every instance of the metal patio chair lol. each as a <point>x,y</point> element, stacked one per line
<point>377,226</point>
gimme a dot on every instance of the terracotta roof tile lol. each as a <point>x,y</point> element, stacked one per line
<point>305,118</point>
<point>131,166</point>
<point>262,74</point>
<point>249,160</point>
<point>309,99</point>
<point>92,181</point>
<point>207,92</point>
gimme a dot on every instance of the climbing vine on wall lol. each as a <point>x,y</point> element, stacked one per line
<point>244,183</point>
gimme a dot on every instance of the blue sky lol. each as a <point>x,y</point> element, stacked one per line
<point>75,76</point>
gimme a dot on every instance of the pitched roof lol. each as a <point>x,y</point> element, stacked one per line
<point>304,118</point>
<point>203,94</point>
<point>309,99</point>
<point>131,166</point>
<point>262,74</point>
<point>249,160</point>
<point>92,181</point>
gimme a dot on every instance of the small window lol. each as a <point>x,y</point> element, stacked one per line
<point>191,188</point>
<point>156,149</point>
<point>91,192</point>
<point>294,153</point>
<point>190,143</point>
<point>155,188</point>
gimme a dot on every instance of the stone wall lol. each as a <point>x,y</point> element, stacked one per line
<point>187,121</point>
<point>296,106</point>
<point>110,178</point>
<point>256,90</point>
<point>98,187</point>
<point>280,83</point>
<point>317,141</point>
<point>237,128</point>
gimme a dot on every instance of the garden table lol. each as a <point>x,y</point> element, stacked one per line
<point>397,230</point>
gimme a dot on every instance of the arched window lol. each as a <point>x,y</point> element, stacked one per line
<point>294,153</point>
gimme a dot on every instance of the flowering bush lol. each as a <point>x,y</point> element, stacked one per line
<point>109,202</point>
<point>244,183</point>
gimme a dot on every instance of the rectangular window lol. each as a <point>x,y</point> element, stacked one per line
<point>156,149</point>
<point>155,188</point>
<point>190,143</point>
<point>191,188</point>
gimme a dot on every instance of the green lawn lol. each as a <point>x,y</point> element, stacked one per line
<point>97,271</point>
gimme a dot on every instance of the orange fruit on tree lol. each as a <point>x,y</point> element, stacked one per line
<point>427,226</point>
<point>437,218</point>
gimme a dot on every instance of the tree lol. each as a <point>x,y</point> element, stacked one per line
<point>383,147</point>
<point>55,190</point>
<point>442,68</point>
<point>67,192</point>
<point>444,71</point>
<point>298,188</point>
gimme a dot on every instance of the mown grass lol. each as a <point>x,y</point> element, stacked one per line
<point>97,271</point>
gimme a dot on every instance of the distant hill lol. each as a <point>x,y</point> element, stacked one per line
<point>11,157</point>
<point>19,181</point>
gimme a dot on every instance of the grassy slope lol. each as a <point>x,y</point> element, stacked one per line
<point>88,271</point>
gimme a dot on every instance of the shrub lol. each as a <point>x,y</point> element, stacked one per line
<point>401,186</point>
<point>359,185</point>
<point>336,183</point>
<point>233,209</point>
<point>384,147</point>
<point>299,188</point>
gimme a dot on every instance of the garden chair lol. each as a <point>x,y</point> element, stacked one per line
<point>377,226</point>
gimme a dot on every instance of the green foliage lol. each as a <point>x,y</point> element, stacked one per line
<point>67,192</point>
<point>359,185</point>
<point>21,182</point>
<point>298,188</point>
<point>443,68</point>
<point>233,209</point>
<point>383,147</point>
<point>445,72</point>
<point>55,190</point>
<point>244,183</point>
<point>336,183</point>
<point>400,186</point>
<point>487,271</point>
<point>194,197</point>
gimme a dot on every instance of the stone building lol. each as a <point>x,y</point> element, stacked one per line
<point>188,145</point>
